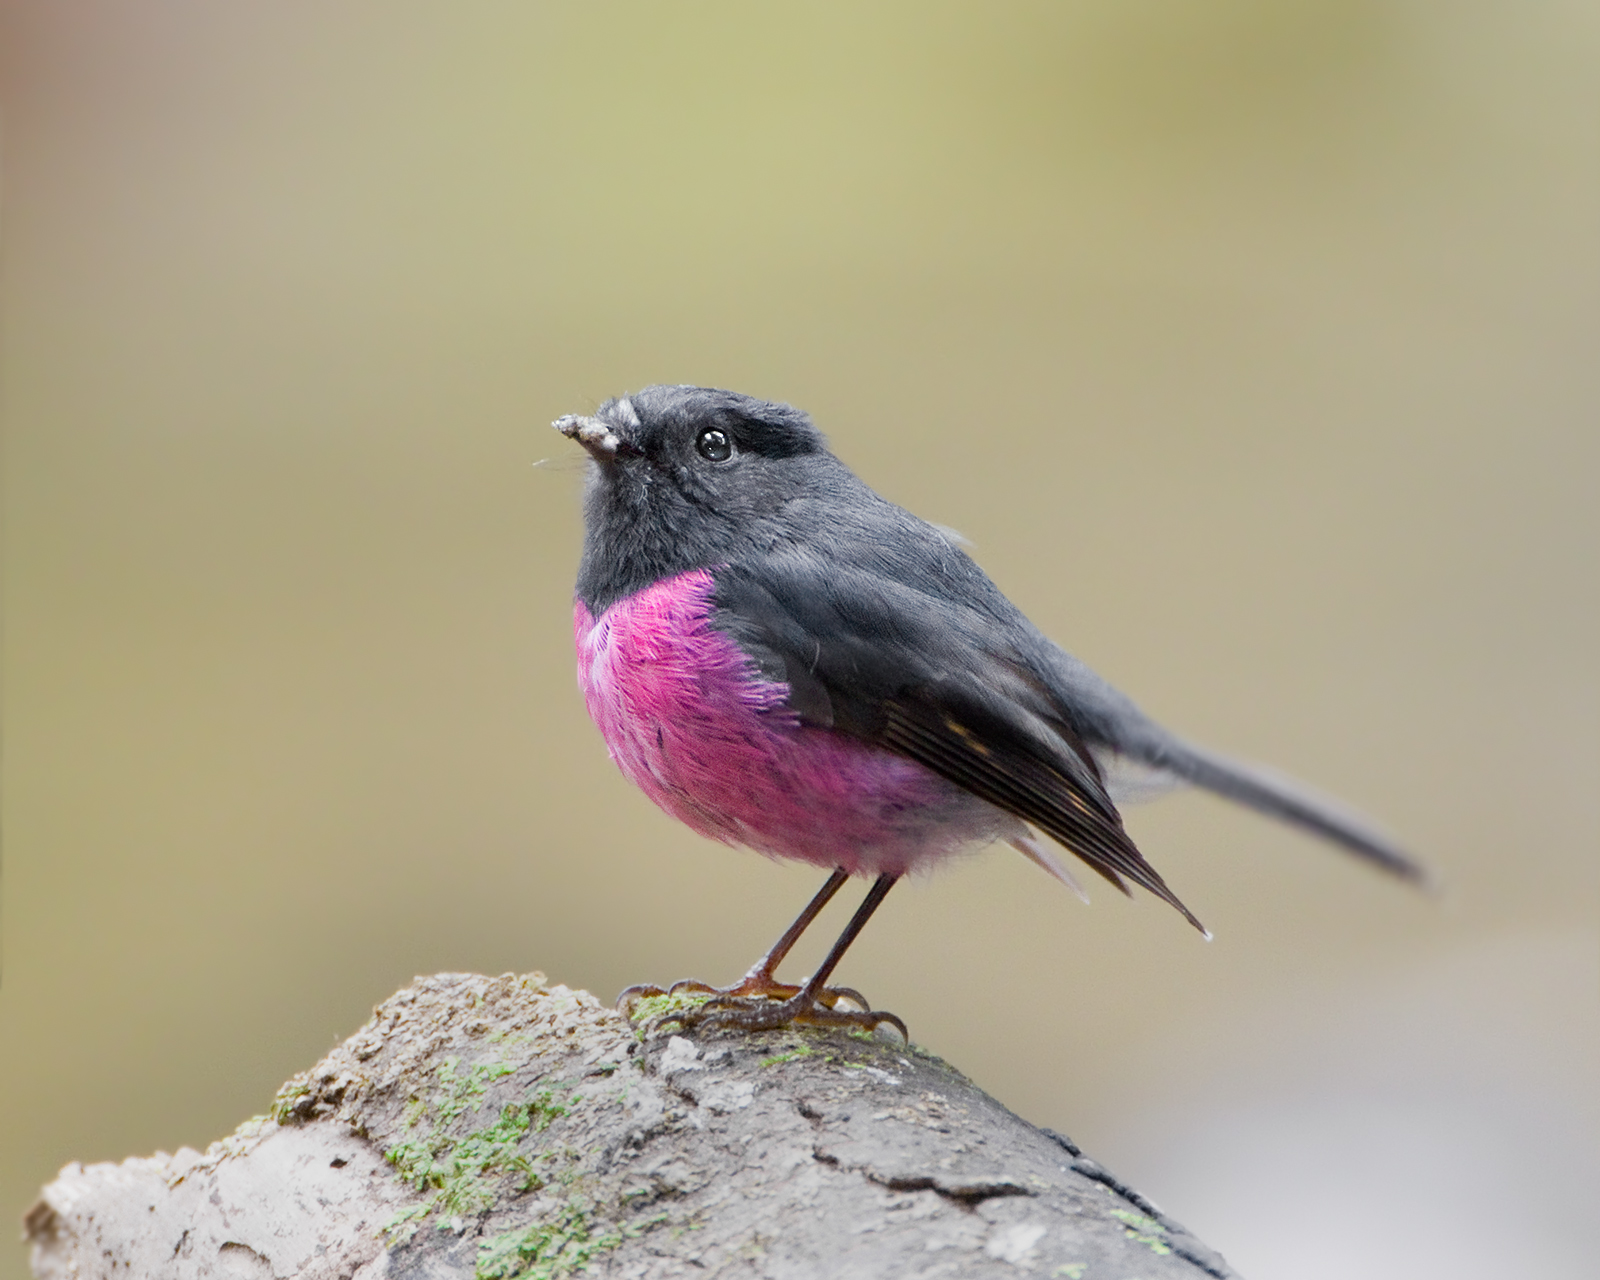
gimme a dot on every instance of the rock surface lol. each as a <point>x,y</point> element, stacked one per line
<point>501,1127</point>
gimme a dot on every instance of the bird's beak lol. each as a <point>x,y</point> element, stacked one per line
<point>595,436</point>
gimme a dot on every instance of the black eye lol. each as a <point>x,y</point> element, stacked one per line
<point>714,445</point>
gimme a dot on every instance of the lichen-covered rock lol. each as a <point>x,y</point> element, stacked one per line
<point>503,1127</point>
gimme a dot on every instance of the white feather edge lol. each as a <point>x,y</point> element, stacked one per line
<point>1042,856</point>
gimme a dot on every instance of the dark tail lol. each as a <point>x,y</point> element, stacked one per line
<point>1110,720</point>
<point>1282,797</point>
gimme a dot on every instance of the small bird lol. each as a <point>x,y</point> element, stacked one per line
<point>782,659</point>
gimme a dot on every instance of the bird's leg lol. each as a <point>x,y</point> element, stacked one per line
<point>809,1005</point>
<point>761,981</point>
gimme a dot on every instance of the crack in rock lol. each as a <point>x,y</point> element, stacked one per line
<point>968,1192</point>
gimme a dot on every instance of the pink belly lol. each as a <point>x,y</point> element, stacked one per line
<point>689,719</point>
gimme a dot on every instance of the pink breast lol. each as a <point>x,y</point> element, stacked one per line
<point>690,720</point>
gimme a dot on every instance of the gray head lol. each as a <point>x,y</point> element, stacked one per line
<point>687,478</point>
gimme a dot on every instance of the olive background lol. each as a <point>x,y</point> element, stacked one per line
<point>1251,343</point>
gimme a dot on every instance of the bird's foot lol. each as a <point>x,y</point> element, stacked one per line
<point>744,1013</point>
<point>758,1002</point>
<point>754,986</point>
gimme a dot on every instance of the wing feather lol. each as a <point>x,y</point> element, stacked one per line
<point>935,681</point>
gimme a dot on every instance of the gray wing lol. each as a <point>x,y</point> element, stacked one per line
<point>931,678</point>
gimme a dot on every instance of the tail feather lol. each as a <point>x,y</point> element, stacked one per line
<point>1134,754</point>
<point>1280,796</point>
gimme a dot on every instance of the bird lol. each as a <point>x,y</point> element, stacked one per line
<point>782,659</point>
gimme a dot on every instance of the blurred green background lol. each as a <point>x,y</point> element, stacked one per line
<point>1253,344</point>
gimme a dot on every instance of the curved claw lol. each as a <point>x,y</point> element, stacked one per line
<point>692,985</point>
<point>641,991</point>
